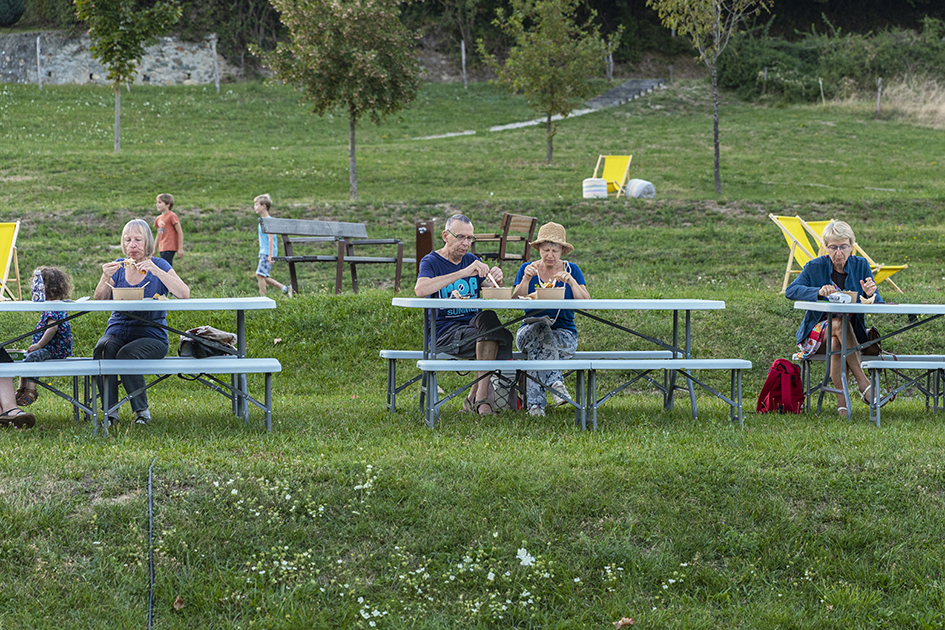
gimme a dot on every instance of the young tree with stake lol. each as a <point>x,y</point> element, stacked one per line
<point>710,24</point>
<point>119,30</point>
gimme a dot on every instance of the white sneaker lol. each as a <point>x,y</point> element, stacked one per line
<point>559,387</point>
<point>536,410</point>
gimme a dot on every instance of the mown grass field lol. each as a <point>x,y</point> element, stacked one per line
<point>347,516</point>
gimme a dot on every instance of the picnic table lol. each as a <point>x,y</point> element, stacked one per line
<point>237,365</point>
<point>678,344</point>
<point>929,364</point>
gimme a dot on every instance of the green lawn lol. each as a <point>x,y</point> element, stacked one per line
<point>348,516</point>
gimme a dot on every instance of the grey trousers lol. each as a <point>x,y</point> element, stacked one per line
<point>112,347</point>
<point>539,341</point>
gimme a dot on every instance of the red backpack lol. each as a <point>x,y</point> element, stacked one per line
<point>782,391</point>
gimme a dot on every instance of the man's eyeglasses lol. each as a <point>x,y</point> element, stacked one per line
<point>833,249</point>
<point>468,239</point>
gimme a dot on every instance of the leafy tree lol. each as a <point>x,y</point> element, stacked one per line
<point>351,54</point>
<point>552,58</point>
<point>10,12</point>
<point>120,30</point>
<point>710,24</point>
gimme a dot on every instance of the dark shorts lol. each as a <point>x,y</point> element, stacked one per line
<point>484,322</point>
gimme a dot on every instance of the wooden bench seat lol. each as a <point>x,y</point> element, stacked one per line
<point>346,236</point>
<point>672,367</point>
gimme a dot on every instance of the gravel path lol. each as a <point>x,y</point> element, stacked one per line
<point>629,90</point>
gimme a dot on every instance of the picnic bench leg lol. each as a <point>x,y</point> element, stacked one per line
<point>268,402</point>
<point>293,279</point>
<point>349,248</point>
<point>692,391</point>
<point>577,399</point>
<point>430,412</point>
<point>391,385</point>
<point>399,266</point>
<point>340,266</point>
<point>592,390</point>
<point>874,395</point>
<point>240,407</point>
<point>75,396</point>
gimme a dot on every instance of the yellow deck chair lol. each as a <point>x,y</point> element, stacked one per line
<point>8,233</point>
<point>801,250</point>
<point>616,172</point>
<point>881,273</point>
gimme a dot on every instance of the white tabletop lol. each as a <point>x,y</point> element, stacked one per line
<point>908,309</point>
<point>194,304</point>
<point>584,305</point>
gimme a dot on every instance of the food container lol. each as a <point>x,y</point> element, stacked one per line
<point>128,293</point>
<point>556,293</point>
<point>497,293</point>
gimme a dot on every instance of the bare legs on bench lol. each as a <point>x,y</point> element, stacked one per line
<point>485,351</point>
<point>853,364</point>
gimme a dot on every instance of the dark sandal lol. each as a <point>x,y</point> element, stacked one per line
<point>480,403</point>
<point>26,397</point>
<point>22,420</point>
<point>469,406</point>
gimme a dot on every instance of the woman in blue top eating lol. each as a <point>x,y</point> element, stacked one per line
<point>126,336</point>
<point>548,334</point>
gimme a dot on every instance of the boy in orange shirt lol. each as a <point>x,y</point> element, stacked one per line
<point>170,236</point>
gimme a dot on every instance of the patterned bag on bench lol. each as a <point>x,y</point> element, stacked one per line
<point>190,348</point>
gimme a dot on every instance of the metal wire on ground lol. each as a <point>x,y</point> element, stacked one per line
<point>151,546</point>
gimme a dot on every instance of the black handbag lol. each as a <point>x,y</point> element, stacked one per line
<point>873,350</point>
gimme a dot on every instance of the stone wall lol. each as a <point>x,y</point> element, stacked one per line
<point>67,59</point>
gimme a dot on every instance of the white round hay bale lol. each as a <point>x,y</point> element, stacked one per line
<point>640,189</point>
<point>595,188</point>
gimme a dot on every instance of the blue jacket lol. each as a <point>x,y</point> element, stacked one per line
<point>816,274</point>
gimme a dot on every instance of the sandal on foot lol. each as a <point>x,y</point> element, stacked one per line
<point>20,420</point>
<point>26,397</point>
<point>844,412</point>
<point>469,405</point>
<point>480,403</point>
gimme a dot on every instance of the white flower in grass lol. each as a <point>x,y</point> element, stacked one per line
<point>233,491</point>
<point>491,576</point>
<point>526,558</point>
<point>577,580</point>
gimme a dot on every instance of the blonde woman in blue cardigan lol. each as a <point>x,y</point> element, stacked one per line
<point>838,270</point>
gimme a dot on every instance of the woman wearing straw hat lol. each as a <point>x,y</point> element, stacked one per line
<point>548,334</point>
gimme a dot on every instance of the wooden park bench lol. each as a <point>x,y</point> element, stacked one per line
<point>346,236</point>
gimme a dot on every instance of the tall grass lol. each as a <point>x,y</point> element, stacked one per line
<point>918,99</point>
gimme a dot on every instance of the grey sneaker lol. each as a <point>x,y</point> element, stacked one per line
<point>287,290</point>
<point>143,417</point>
<point>536,410</point>
<point>559,387</point>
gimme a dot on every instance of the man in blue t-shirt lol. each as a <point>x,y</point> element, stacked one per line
<point>464,332</point>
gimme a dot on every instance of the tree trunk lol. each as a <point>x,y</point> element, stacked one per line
<point>352,164</point>
<point>715,129</point>
<point>551,136</point>
<point>117,116</point>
